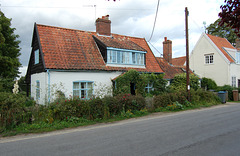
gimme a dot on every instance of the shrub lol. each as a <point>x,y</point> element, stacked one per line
<point>208,84</point>
<point>96,108</point>
<point>162,100</point>
<point>179,82</point>
<point>175,106</point>
<point>204,97</point>
<point>114,106</point>
<point>13,110</point>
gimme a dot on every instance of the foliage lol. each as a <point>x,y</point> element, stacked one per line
<point>175,106</point>
<point>201,96</point>
<point>9,52</point>
<point>170,101</point>
<point>162,100</point>
<point>132,77</point>
<point>179,82</point>
<point>227,88</point>
<point>208,84</point>
<point>14,109</point>
<point>223,31</point>
<point>22,84</point>
<point>124,82</point>
<point>230,15</point>
<point>159,84</point>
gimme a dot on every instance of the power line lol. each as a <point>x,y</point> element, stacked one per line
<point>154,21</point>
<point>155,48</point>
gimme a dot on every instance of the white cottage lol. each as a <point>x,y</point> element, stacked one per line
<point>214,57</point>
<point>75,62</point>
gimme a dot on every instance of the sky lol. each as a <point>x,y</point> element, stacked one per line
<point>129,17</point>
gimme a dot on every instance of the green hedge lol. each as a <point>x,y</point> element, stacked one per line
<point>197,96</point>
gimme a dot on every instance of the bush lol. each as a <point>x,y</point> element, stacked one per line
<point>114,106</point>
<point>179,82</point>
<point>131,102</point>
<point>14,110</point>
<point>201,96</point>
<point>162,100</point>
<point>208,84</point>
<point>96,108</point>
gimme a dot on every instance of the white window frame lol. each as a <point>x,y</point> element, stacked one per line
<point>234,81</point>
<point>37,90</point>
<point>36,56</point>
<point>209,59</point>
<point>85,91</point>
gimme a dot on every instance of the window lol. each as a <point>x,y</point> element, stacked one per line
<point>125,57</point>
<point>208,59</point>
<point>233,81</point>
<point>149,87</point>
<point>36,54</point>
<point>83,89</point>
<point>37,90</point>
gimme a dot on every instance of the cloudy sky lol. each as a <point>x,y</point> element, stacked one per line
<point>129,17</point>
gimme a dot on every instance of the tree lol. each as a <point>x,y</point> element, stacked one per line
<point>231,15</point>
<point>9,53</point>
<point>223,31</point>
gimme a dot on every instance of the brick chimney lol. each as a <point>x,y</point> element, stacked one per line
<point>103,26</point>
<point>167,50</point>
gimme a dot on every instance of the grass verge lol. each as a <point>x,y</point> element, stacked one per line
<point>71,122</point>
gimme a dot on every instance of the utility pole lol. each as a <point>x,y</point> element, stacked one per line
<point>187,54</point>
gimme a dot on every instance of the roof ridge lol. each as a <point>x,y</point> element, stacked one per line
<point>58,27</point>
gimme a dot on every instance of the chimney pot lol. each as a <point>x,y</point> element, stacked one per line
<point>165,38</point>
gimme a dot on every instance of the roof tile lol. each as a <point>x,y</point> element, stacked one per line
<point>72,49</point>
<point>220,43</point>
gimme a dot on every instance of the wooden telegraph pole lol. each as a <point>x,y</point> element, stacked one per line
<point>187,54</point>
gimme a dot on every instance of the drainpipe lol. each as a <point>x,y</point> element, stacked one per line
<point>48,72</point>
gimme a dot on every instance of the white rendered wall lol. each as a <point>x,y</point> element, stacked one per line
<point>234,71</point>
<point>42,78</point>
<point>218,71</point>
<point>64,81</point>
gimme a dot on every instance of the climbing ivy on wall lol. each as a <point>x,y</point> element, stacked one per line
<point>123,83</point>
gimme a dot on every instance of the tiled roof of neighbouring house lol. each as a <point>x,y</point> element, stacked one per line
<point>220,43</point>
<point>71,49</point>
<point>179,61</point>
<point>169,70</point>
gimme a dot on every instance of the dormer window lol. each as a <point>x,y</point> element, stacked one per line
<point>36,55</point>
<point>125,56</point>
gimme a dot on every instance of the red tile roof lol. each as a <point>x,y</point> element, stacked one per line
<point>179,61</point>
<point>71,49</point>
<point>169,70</point>
<point>220,43</point>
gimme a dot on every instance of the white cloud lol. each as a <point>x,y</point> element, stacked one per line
<point>129,17</point>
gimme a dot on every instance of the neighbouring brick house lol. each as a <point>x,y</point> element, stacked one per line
<point>76,61</point>
<point>171,66</point>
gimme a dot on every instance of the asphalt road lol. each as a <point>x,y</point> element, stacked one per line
<point>212,131</point>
